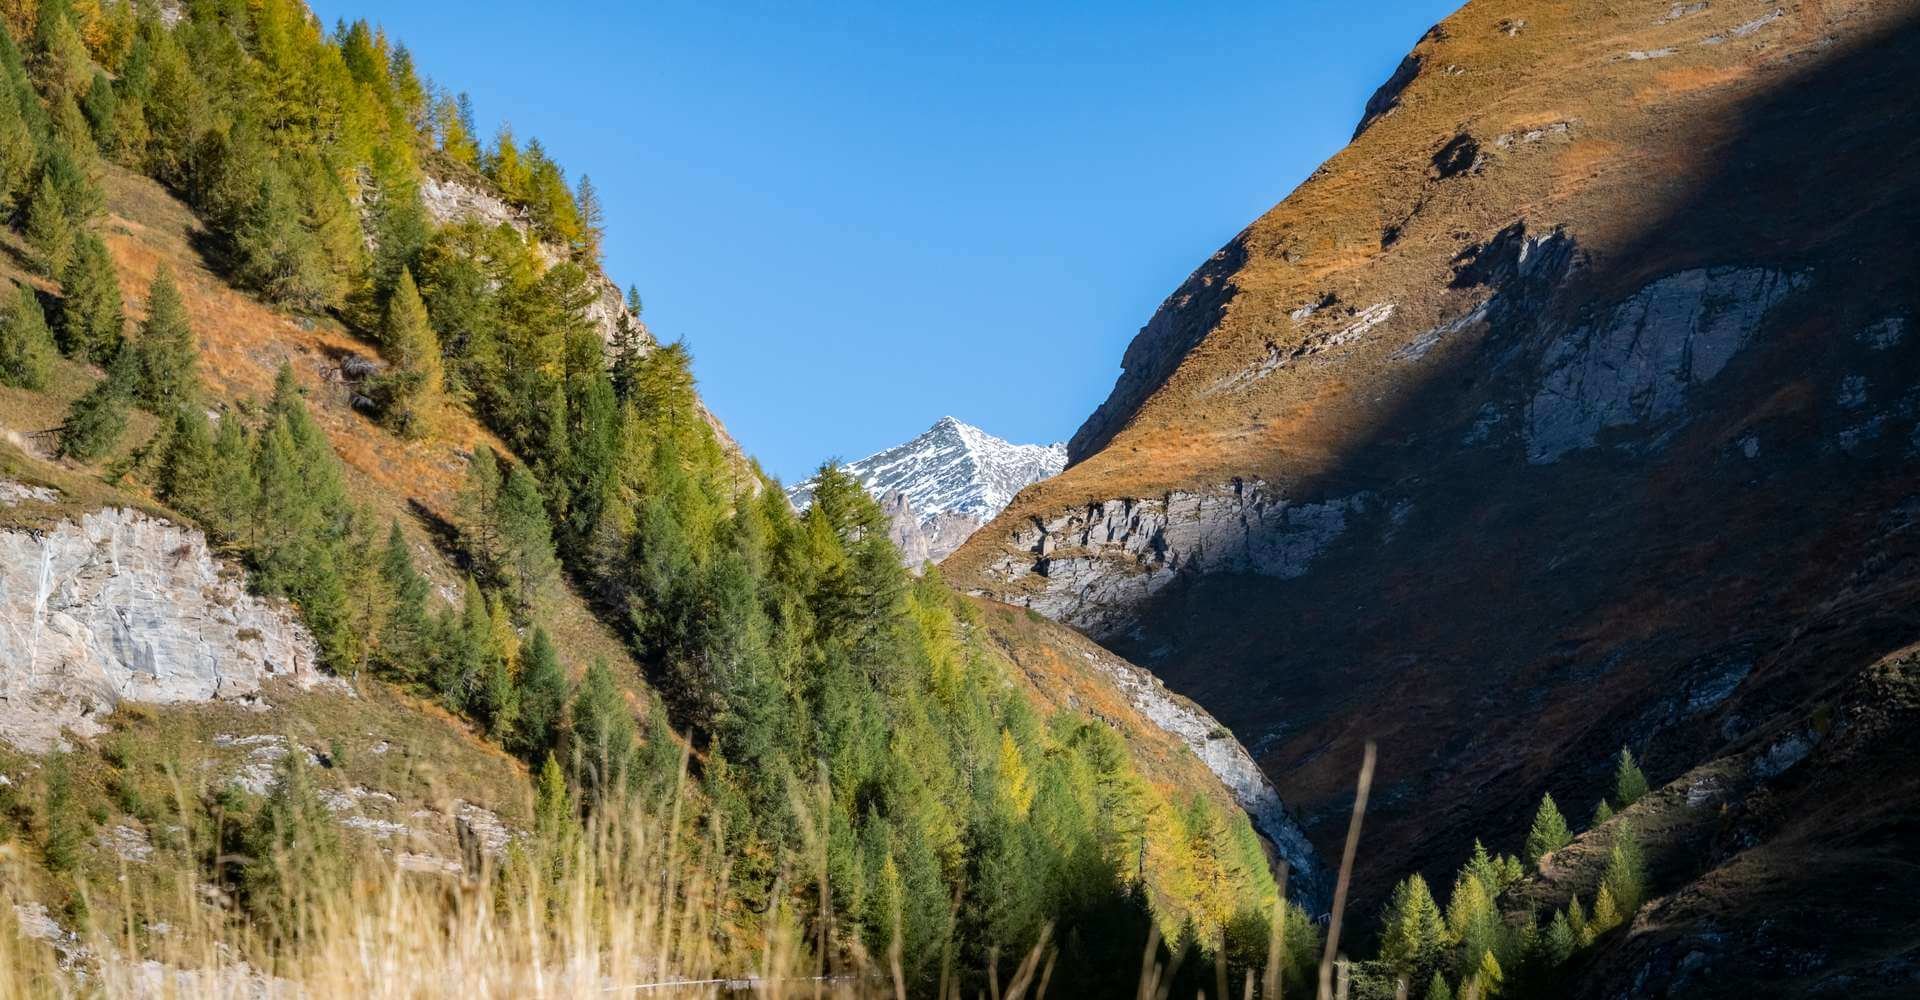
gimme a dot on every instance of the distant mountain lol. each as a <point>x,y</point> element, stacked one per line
<point>940,487</point>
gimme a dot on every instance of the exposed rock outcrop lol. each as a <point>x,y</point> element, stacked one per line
<point>1637,362</point>
<point>1229,761</point>
<point>1093,568</point>
<point>122,606</point>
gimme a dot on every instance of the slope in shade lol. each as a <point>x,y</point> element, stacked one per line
<point>1629,460</point>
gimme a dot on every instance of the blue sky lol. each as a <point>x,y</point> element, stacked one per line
<point>862,217</point>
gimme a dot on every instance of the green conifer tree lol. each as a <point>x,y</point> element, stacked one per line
<point>186,479</point>
<point>1561,941</point>
<point>527,537</point>
<point>406,633</point>
<point>1629,784</point>
<point>1414,935</point>
<point>96,420</point>
<point>17,152</point>
<point>410,393</point>
<point>1549,832</point>
<point>1606,914</point>
<point>603,746</point>
<point>1602,812</point>
<point>90,318</point>
<point>26,347</point>
<point>1624,876</point>
<point>1437,988</point>
<point>49,229</point>
<point>233,486</point>
<point>169,355</point>
<point>543,698</point>
<point>293,850</point>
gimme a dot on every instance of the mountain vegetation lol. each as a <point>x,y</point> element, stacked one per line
<point>841,740</point>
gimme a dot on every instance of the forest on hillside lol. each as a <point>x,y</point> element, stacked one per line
<point>833,742</point>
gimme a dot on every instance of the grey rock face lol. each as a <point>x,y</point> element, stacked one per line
<point>1096,566</point>
<point>922,540</point>
<point>1636,363</point>
<point>1230,762</point>
<point>126,607</point>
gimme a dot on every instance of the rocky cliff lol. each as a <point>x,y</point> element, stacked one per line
<point>1570,405</point>
<point>119,606</point>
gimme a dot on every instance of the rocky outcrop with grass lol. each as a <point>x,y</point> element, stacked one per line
<point>120,606</point>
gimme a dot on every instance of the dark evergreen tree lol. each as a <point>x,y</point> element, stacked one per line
<point>26,347</point>
<point>1629,784</point>
<point>169,355</point>
<point>603,740</point>
<point>49,229</point>
<point>96,420</point>
<point>1549,832</point>
<point>542,698</point>
<point>90,318</point>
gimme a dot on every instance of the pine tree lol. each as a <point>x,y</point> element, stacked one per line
<point>1549,832</point>
<point>61,66</point>
<point>17,152</point>
<point>293,850</point>
<point>603,736</point>
<point>1602,812</point>
<point>543,698</point>
<point>49,229</point>
<point>1414,935</point>
<point>26,348</point>
<point>1577,922</point>
<point>527,537</point>
<point>101,107</point>
<point>1488,978</point>
<point>169,356</point>
<point>410,393</point>
<point>90,318</point>
<point>186,466</point>
<point>1437,988</point>
<point>233,486</point>
<point>1606,914</point>
<point>1629,784</point>
<point>1561,941</point>
<point>592,219</point>
<point>1483,868</point>
<point>66,833</point>
<point>1016,787</point>
<point>1625,873</point>
<point>479,506</point>
<point>405,635</point>
<point>96,420</point>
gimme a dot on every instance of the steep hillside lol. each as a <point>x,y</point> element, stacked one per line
<point>1570,405</point>
<point>353,462</point>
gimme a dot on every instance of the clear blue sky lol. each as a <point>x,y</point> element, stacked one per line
<point>862,217</point>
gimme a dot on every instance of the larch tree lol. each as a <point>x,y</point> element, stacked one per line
<point>91,321</point>
<point>410,394</point>
<point>169,356</point>
<point>1629,783</point>
<point>96,420</point>
<point>26,348</point>
<point>49,229</point>
<point>1549,832</point>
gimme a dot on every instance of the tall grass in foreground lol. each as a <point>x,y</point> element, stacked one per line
<point>628,902</point>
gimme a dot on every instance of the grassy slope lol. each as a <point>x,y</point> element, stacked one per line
<point>1484,677</point>
<point>242,345</point>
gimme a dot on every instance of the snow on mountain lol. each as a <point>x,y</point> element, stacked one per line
<point>950,481</point>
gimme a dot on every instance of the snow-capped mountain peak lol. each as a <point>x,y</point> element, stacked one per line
<point>952,468</point>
